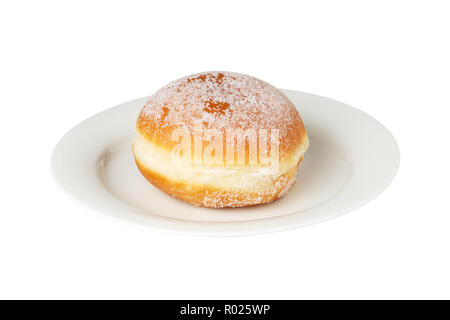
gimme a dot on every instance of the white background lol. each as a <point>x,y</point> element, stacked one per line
<point>63,61</point>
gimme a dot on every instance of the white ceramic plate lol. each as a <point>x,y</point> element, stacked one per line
<point>352,158</point>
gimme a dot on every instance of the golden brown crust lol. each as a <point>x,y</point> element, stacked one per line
<point>221,100</point>
<point>219,198</point>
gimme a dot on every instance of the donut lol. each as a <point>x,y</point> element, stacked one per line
<point>220,139</point>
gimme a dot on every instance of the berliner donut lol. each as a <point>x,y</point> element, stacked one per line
<point>220,139</point>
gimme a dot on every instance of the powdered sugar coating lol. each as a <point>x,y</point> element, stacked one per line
<point>223,100</point>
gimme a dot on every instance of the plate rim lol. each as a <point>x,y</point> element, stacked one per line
<point>199,228</point>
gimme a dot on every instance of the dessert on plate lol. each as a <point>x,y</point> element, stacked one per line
<point>220,139</point>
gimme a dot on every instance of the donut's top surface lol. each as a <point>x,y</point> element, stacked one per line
<point>221,100</point>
